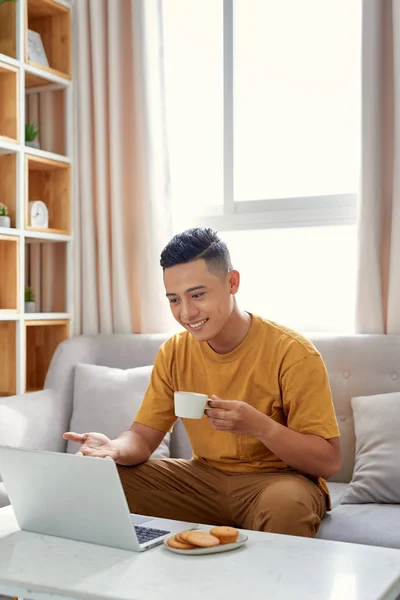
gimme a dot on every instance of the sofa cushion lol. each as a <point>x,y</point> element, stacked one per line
<point>180,446</point>
<point>336,491</point>
<point>376,476</point>
<point>358,365</point>
<point>370,524</point>
<point>35,420</point>
<point>107,399</point>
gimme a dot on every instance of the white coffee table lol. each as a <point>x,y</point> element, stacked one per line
<point>269,566</point>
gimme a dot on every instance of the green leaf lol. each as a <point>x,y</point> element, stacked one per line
<point>29,295</point>
<point>31,131</point>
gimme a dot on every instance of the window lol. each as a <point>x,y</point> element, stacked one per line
<point>193,48</point>
<point>262,101</point>
<point>295,95</point>
<point>300,277</point>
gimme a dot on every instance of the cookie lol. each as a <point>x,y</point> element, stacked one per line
<point>178,536</point>
<point>226,535</point>
<point>202,540</point>
<point>174,543</point>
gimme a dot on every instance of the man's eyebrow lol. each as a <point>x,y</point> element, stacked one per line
<point>189,290</point>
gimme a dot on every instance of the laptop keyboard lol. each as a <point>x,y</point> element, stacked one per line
<point>145,534</point>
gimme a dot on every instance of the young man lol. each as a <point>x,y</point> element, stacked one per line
<point>270,436</point>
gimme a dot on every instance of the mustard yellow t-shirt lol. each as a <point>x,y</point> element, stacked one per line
<point>274,369</point>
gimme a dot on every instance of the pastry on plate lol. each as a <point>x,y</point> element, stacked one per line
<point>200,539</point>
<point>174,543</point>
<point>226,535</point>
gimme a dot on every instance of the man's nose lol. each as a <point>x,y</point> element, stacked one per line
<point>188,312</point>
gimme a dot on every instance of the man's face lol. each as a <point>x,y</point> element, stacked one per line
<point>200,301</point>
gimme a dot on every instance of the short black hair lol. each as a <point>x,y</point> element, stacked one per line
<point>194,244</point>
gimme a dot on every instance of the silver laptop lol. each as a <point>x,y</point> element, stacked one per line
<point>77,497</point>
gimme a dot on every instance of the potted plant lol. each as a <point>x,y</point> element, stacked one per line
<point>5,220</point>
<point>30,305</point>
<point>31,133</point>
<point>4,1</point>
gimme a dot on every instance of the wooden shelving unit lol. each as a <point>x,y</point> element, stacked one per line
<point>46,262</point>
<point>8,187</point>
<point>42,338</point>
<point>9,297</point>
<point>50,181</point>
<point>8,369</point>
<point>53,21</point>
<point>9,77</point>
<point>40,258</point>
<point>8,29</point>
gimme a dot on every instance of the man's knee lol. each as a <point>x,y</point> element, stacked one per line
<point>290,509</point>
<point>126,476</point>
<point>141,483</point>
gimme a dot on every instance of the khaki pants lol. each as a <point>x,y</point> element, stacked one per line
<point>187,490</point>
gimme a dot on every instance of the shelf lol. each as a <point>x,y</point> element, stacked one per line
<point>8,184</point>
<point>7,315</point>
<point>49,181</point>
<point>7,147</point>
<point>47,317</point>
<point>9,60</point>
<point>8,370</point>
<point>48,110</point>
<point>10,231</point>
<point>45,236</point>
<point>57,233</point>
<point>38,77</point>
<point>46,274</point>
<point>44,155</point>
<point>8,29</point>
<point>42,339</point>
<point>53,22</point>
<point>8,103</point>
<point>9,273</point>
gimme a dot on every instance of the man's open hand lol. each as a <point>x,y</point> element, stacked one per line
<point>93,444</point>
<point>234,416</point>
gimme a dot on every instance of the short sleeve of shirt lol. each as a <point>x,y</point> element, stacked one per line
<point>157,408</point>
<point>307,398</point>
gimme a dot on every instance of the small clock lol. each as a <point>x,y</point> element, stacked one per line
<point>38,214</point>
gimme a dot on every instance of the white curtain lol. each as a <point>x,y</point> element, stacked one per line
<point>378,284</point>
<point>121,217</point>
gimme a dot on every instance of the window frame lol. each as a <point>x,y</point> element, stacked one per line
<point>304,211</point>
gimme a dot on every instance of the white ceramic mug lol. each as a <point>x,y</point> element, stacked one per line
<point>190,405</point>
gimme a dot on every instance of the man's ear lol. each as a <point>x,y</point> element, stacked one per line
<point>234,280</point>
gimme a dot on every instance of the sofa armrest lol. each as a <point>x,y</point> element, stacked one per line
<point>35,420</point>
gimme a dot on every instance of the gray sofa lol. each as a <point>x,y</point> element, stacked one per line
<point>359,365</point>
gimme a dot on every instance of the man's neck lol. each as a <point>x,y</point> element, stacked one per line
<point>233,333</point>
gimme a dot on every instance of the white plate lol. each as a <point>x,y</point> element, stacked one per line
<point>242,538</point>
